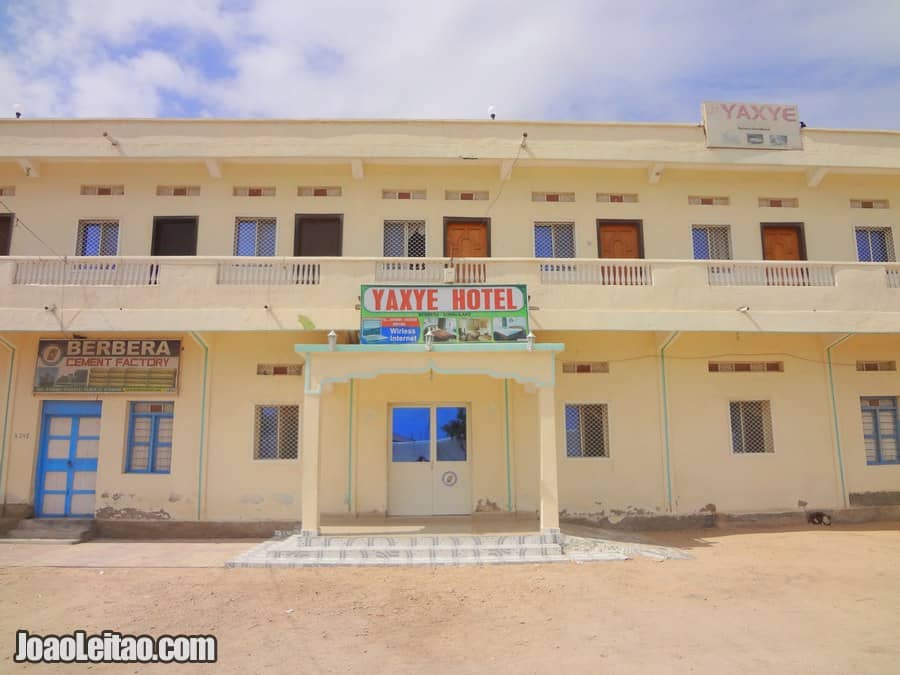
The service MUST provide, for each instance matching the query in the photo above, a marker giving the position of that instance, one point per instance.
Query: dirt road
(824, 600)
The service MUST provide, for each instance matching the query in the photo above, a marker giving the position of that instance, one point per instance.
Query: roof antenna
(492, 111)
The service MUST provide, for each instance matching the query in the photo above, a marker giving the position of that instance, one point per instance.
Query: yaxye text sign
(761, 126)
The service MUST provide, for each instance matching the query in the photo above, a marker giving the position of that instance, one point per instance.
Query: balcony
(233, 294)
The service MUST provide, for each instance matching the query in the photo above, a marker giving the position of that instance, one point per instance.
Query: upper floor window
(98, 237)
(874, 244)
(617, 198)
(254, 236)
(319, 191)
(711, 242)
(879, 420)
(403, 194)
(177, 190)
(870, 204)
(253, 191)
(554, 240)
(466, 195)
(696, 200)
(553, 196)
(779, 202)
(103, 190)
(404, 239)
(7, 190)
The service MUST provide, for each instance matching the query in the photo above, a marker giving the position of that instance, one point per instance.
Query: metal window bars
(277, 431)
(751, 427)
(587, 430)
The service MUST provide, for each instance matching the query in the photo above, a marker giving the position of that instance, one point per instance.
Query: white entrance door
(429, 472)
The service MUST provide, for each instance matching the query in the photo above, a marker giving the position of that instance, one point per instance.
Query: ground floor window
(587, 430)
(879, 418)
(150, 437)
(751, 427)
(277, 432)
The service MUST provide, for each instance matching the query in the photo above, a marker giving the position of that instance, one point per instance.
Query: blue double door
(67, 464)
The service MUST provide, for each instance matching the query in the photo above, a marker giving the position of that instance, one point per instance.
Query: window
(587, 430)
(7, 190)
(620, 198)
(276, 432)
(879, 420)
(98, 237)
(779, 203)
(875, 366)
(466, 195)
(6, 228)
(149, 437)
(696, 200)
(711, 242)
(103, 190)
(746, 366)
(253, 191)
(319, 191)
(554, 240)
(404, 239)
(870, 204)
(254, 236)
(751, 427)
(403, 194)
(279, 369)
(874, 244)
(585, 367)
(177, 190)
(553, 196)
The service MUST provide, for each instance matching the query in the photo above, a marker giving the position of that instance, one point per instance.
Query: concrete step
(468, 553)
(376, 562)
(420, 541)
(52, 529)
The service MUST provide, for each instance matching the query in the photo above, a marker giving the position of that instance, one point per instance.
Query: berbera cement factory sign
(107, 365)
(406, 314)
(758, 126)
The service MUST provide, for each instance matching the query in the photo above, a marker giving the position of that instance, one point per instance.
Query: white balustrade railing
(409, 269)
(94, 271)
(893, 277)
(730, 273)
(262, 272)
(598, 272)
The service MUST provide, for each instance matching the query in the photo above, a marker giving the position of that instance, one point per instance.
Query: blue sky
(562, 60)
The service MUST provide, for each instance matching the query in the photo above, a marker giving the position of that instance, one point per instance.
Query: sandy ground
(824, 600)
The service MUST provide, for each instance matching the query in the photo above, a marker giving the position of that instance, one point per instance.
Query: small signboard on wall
(756, 126)
(107, 365)
(453, 314)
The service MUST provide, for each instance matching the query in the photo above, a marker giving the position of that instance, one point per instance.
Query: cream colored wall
(487, 459)
(850, 386)
(801, 471)
(51, 205)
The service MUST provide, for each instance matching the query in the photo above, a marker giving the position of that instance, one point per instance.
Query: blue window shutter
(701, 243)
(863, 246)
(543, 241)
(90, 239)
(565, 241)
(111, 246)
(266, 239)
(573, 431)
(245, 243)
(878, 245)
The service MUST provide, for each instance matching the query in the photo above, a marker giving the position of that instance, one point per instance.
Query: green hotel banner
(453, 314)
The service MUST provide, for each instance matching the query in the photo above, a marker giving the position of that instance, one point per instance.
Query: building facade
(189, 326)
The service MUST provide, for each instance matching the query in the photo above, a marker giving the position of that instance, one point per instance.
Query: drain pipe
(205, 348)
(834, 416)
(350, 453)
(5, 433)
(509, 499)
(665, 416)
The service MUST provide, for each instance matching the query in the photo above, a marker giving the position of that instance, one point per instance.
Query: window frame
(768, 438)
(581, 432)
(153, 443)
(887, 231)
(255, 437)
(554, 226)
(105, 224)
(257, 221)
(878, 436)
(707, 227)
(406, 222)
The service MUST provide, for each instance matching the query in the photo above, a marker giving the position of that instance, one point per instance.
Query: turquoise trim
(834, 415)
(350, 453)
(665, 412)
(6, 430)
(205, 348)
(509, 503)
(474, 347)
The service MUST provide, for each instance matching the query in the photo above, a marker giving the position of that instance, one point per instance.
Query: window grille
(404, 239)
(403, 194)
(279, 369)
(870, 204)
(150, 437)
(254, 236)
(874, 244)
(466, 195)
(779, 203)
(697, 200)
(711, 242)
(746, 366)
(751, 427)
(553, 196)
(277, 432)
(587, 430)
(583, 367)
(617, 198)
(7, 190)
(177, 190)
(874, 366)
(98, 237)
(554, 240)
(880, 433)
(253, 191)
(319, 191)
(103, 190)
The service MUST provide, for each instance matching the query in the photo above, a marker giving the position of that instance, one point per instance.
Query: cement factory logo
(449, 478)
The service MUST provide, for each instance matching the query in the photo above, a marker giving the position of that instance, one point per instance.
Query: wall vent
(253, 191)
(698, 200)
(7, 190)
(466, 195)
(617, 198)
(585, 367)
(779, 202)
(746, 366)
(553, 196)
(319, 191)
(403, 194)
(870, 204)
(279, 368)
(103, 190)
(872, 366)
(177, 190)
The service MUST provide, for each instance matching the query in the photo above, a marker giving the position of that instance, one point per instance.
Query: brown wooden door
(174, 236)
(619, 240)
(6, 227)
(466, 239)
(318, 236)
(782, 243)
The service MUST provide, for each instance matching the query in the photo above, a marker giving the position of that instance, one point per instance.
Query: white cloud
(579, 59)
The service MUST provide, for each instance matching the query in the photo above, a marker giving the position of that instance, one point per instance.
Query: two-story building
(236, 321)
